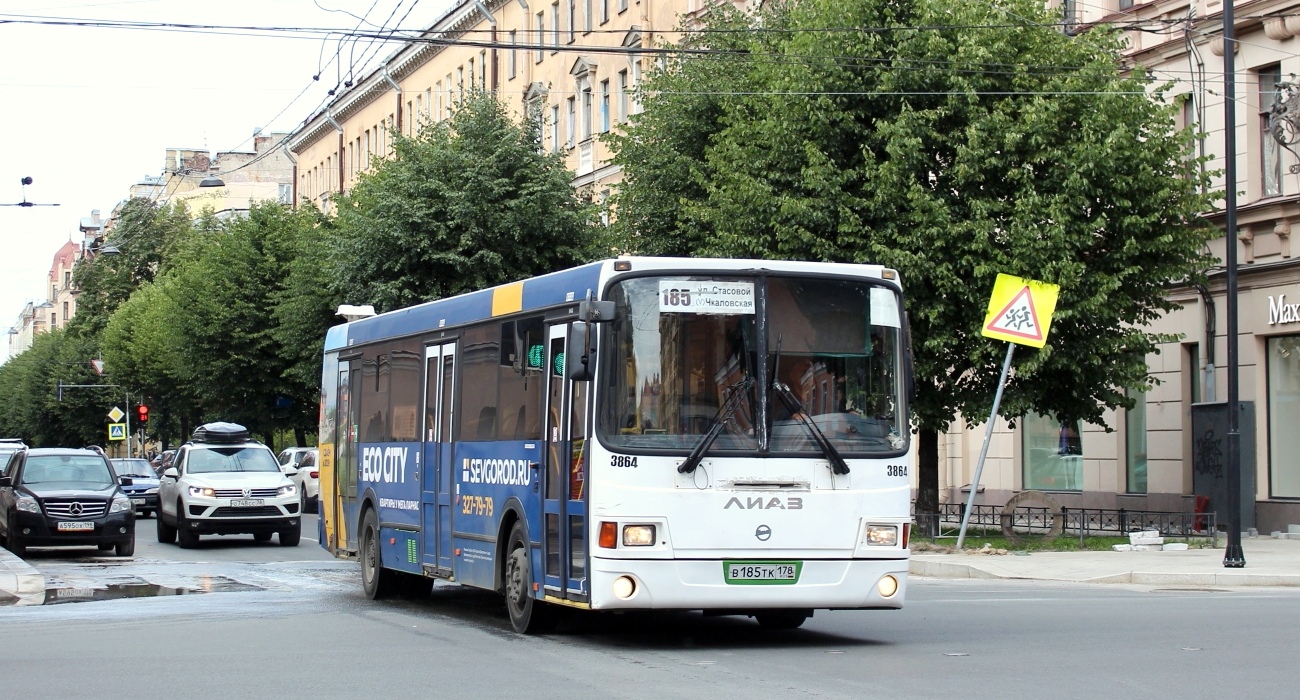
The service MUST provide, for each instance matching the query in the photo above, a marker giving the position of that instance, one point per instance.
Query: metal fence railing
(1084, 522)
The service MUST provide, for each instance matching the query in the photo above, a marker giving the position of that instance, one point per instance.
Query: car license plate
(138, 501)
(771, 573)
(246, 502)
(75, 527)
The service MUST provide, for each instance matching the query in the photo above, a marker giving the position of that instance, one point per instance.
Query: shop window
(1135, 444)
(1053, 454)
(1283, 407)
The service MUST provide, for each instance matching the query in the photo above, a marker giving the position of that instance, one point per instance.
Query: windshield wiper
(728, 408)
(792, 404)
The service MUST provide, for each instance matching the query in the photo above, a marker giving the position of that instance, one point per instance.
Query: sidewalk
(20, 584)
(1269, 562)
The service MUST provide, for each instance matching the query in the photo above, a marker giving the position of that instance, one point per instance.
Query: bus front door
(564, 512)
(435, 481)
(345, 457)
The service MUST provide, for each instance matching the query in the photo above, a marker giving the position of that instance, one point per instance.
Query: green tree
(146, 237)
(951, 141)
(30, 406)
(466, 204)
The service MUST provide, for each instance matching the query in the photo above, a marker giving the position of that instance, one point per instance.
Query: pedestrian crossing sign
(1020, 311)
(117, 431)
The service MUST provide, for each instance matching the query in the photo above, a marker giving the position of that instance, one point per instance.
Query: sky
(88, 111)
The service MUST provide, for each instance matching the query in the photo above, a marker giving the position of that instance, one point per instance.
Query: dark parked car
(143, 491)
(52, 497)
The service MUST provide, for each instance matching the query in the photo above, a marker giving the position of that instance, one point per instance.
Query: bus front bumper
(702, 584)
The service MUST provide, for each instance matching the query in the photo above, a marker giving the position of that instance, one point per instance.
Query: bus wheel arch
(377, 581)
(513, 513)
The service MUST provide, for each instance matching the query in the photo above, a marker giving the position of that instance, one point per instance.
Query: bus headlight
(638, 535)
(882, 535)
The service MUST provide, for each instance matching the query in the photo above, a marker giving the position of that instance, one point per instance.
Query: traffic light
(142, 413)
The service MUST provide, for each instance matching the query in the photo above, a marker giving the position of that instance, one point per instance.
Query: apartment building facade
(571, 65)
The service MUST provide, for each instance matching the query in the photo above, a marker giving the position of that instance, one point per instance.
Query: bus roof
(549, 290)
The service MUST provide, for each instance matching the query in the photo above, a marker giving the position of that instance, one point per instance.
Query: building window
(586, 110)
(622, 95)
(586, 15)
(512, 64)
(1194, 380)
(1135, 444)
(482, 69)
(471, 78)
(1283, 367)
(570, 122)
(1271, 155)
(54, 320)
(65, 312)
(635, 68)
(604, 11)
(541, 35)
(555, 128)
(555, 25)
(604, 106)
(622, 6)
(67, 279)
(1125, 4)
(573, 20)
(1053, 454)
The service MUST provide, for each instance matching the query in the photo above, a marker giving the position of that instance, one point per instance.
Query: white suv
(223, 483)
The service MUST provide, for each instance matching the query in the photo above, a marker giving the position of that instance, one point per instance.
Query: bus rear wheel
(377, 581)
(527, 614)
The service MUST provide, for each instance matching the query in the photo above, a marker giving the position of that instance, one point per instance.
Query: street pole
(128, 425)
(984, 450)
(1233, 557)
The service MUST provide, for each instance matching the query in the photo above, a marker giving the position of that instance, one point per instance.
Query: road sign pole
(988, 435)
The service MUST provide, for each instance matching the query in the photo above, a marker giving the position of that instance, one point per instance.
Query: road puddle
(141, 589)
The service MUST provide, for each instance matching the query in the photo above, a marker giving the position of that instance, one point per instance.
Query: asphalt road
(289, 623)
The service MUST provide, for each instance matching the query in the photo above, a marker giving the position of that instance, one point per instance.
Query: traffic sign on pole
(116, 431)
(1020, 310)
(116, 414)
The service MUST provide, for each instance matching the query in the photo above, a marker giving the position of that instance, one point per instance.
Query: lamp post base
(1233, 557)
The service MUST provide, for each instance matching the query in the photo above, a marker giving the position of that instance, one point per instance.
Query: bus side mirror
(596, 311)
(581, 352)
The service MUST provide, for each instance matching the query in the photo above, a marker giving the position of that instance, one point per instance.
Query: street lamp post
(1232, 556)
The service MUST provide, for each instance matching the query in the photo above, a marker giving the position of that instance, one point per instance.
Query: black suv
(53, 497)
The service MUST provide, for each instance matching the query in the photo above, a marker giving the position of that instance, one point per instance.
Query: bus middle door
(435, 481)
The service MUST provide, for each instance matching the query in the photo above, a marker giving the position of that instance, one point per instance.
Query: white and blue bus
(721, 435)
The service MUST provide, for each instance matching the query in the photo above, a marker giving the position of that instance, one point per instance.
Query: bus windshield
(681, 344)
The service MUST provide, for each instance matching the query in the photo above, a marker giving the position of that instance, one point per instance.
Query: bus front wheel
(377, 581)
(527, 614)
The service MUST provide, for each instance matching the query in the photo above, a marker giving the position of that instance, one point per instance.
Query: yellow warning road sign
(1020, 310)
(117, 431)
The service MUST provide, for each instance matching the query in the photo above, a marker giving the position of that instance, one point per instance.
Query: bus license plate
(75, 527)
(246, 502)
(772, 573)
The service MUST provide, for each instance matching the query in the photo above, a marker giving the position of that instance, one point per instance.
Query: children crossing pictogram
(1020, 311)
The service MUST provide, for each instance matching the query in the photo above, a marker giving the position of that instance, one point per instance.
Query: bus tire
(782, 619)
(377, 581)
(527, 614)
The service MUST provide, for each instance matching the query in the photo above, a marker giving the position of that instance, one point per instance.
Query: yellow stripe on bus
(508, 299)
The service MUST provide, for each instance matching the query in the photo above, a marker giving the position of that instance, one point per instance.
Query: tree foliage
(466, 204)
(986, 141)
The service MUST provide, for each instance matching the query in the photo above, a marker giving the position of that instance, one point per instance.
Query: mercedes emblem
(75, 508)
(763, 533)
